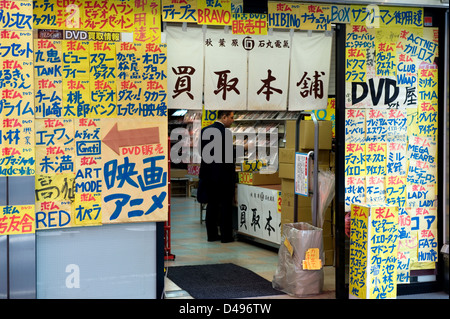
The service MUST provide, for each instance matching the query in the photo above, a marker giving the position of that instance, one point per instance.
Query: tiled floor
(190, 247)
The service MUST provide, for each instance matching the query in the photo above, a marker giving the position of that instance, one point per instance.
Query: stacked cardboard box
(286, 173)
(255, 179)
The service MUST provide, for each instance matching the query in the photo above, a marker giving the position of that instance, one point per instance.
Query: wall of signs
(84, 112)
(391, 127)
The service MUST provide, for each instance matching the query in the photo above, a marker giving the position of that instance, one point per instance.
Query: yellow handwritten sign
(249, 23)
(312, 260)
(179, 11)
(358, 250)
(375, 159)
(315, 17)
(216, 12)
(147, 21)
(87, 209)
(285, 15)
(17, 219)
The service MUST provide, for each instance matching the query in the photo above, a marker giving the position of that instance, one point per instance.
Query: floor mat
(220, 281)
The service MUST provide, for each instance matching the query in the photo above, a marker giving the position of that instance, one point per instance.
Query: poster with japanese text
(17, 219)
(48, 75)
(129, 79)
(306, 16)
(283, 15)
(185, 67)
(16, 15)
(249, 23)
(373, 251)
(142, 18)
(315, 17)
(17, 156)
(359, 258)
(216, 12)
(382, 244)
(175, 11)
(146, 21)
(309, 74)
(102, 79)
(88, 178)
(134, 178)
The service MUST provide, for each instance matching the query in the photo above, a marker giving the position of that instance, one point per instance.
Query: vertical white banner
(268, 66)
(184, 67)
(225, 71)
(309, 71)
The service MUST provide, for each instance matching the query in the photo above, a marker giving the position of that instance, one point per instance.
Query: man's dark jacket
(217, 179)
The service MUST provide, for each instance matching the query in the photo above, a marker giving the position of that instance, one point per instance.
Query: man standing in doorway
(217, 177)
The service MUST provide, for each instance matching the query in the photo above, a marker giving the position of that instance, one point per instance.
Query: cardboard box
(303, 214)
(332, 159)
(259, 179)
(287, 194)
(286, 155)
(329, 257)
(286, 170)
(328, 242)
(178, 173)
(306, 134)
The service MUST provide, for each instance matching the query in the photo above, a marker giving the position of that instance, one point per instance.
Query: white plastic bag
(326, 194)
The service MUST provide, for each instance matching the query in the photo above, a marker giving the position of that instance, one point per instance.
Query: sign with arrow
(115, 139)
(135, 174)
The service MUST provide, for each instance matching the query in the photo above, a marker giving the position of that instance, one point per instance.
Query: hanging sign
(301, 175)
(179, 11)
(216, 12)
(185, 68)
(249, 23)
(225, 70)
(309, 75)
(268, 71)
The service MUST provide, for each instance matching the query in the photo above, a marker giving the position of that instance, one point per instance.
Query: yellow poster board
(17, 219)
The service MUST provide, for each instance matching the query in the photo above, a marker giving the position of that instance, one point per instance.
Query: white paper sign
(258, 214)
(301, 177)
(185, 68)
(225, 71)
(309, 71)
(268, 71)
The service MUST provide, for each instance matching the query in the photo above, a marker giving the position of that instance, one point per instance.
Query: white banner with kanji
(309, 71)
(225, 70)
(268, 71)
(259, 212)
(184, 67)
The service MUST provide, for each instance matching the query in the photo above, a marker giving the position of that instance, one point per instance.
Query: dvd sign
(75, 35)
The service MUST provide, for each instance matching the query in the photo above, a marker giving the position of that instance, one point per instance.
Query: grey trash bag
(290, 277)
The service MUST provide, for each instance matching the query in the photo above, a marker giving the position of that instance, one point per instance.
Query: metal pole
(316, 165)
(315, 197)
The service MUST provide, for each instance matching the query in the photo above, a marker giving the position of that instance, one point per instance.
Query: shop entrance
(190, 246)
